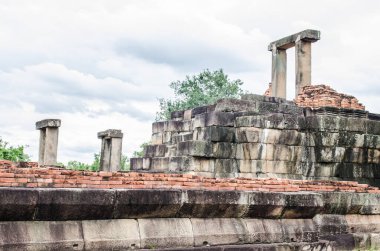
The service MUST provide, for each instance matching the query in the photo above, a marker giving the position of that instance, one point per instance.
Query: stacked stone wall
(259, 136)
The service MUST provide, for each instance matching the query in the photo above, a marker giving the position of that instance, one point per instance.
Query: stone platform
(259, 136)
(54, 209)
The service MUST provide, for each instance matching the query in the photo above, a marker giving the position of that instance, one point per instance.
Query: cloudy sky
(103, 64)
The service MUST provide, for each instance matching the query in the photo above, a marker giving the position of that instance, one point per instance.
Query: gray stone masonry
(259, 136)
(48, 141)
(302, 43)
(175, 219)
(110, 154)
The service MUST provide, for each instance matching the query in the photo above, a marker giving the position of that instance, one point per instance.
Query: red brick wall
(315, 96)
(12, 175)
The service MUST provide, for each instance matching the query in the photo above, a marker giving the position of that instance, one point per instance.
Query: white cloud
(102, 64)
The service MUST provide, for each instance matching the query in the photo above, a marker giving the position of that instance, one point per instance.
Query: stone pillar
(303, 64)
(48, 141)
(278, 72)
(110, 154)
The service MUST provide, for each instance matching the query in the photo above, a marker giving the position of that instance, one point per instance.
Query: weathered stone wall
(260, 136)
(121, 219)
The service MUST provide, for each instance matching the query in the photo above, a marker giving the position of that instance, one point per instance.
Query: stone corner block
(110, 133)
(48, 123)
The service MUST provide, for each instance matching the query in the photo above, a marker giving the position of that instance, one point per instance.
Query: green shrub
(12, 153)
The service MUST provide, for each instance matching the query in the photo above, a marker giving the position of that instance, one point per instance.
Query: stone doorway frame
(302, 43)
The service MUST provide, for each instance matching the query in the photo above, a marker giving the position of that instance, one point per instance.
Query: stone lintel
(110, 133)
(48, 123)
(289, 41)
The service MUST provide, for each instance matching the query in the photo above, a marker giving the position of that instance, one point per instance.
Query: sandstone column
(278, 73)
(110, 155)
(303, 64)
(48, 141)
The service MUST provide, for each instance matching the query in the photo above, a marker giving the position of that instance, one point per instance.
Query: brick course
(13, 175)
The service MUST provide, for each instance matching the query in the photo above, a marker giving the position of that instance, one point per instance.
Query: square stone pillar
(303, 64)
(110, 154)
(278, 72)
(48, 141)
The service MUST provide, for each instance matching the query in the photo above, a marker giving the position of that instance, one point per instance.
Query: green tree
(12, 153)
(140, 152)
(77, 165)
(202, 89)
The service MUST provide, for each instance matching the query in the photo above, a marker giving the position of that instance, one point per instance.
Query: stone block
(302, 205)
(266, 205)
(195, 148)
(274, 230)
(147, 203)
(291, 122)
(215, 134)
(226, 166)
(159, 163)
(202, 109)
(177, 115)
(173, 126)
(329, 154)
(214, 119)
(41, 235)
(290, 108)
(165, 233)
(187, 114)
(234, 105)
(363, 223)
(251, 166)
(75, 204)
(111, 234)
(17, 203)
(251, 151)
(248, 134)
(158, 127)
(371, 203)
(256, 232)
(151, 151)
(276, 167)
(218, 231)
(331, 225)
(322, 123)
(181, 164)
(157, 138)
(136, 163)
(267, 107)
(326, 169)
(353, 124)
(48, 123)
(204, 165)
(213, 204)
(299, 230)
(372, 141)
(180, 137)
(223, 150)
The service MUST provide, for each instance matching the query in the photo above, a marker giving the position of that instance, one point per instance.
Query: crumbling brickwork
(32, 176)
(317, 96)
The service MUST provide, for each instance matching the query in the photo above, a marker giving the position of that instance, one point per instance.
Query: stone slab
(48, 123)
(218, 231)
(17, 203)
(165, 233)
(137, 203)
(111, 234)
(75, 204)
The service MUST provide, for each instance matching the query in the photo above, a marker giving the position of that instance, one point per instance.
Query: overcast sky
(102, 64)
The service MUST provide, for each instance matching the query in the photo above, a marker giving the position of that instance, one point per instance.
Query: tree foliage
(202, 89)
(94, 166)
(12, 153)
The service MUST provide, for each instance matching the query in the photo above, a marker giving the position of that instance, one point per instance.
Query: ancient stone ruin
(256, 173)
